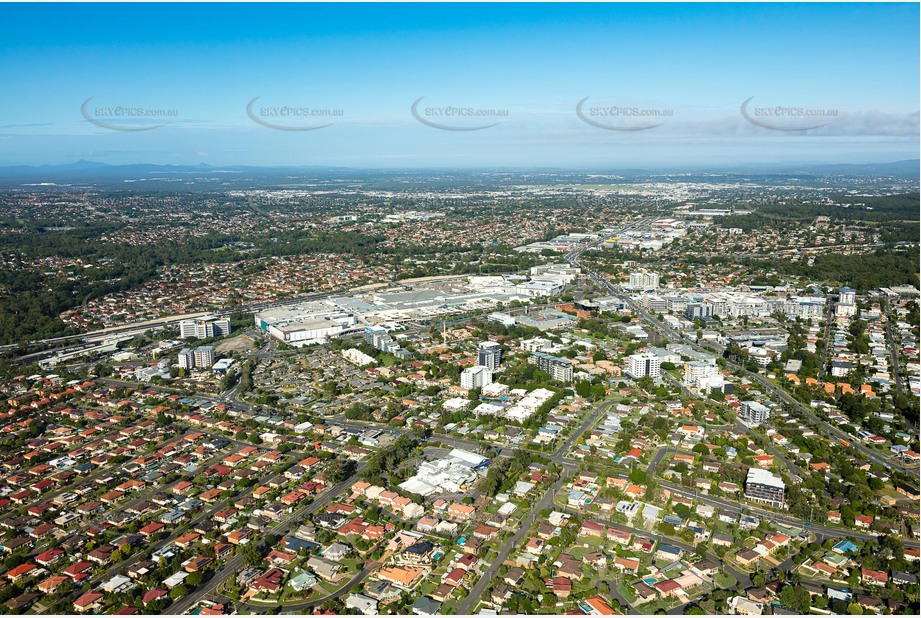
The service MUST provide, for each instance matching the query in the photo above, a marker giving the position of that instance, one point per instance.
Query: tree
(796, 598)
(194, 579)
(638, 476)
(252, 555)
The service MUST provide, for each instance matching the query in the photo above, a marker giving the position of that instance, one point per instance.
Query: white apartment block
(537, 344)
(644, 364)
(356, 356)
(475, 377)
(754, 413)
(644, 281)
(204, 356)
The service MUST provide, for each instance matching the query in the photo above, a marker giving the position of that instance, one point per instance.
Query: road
(795, 471)
(469, 603)
(235, 563)
(140, 327)
(829, 318)
(778, 393)
(624, 604)
(893, 350)
(739, 507)
(298, 608)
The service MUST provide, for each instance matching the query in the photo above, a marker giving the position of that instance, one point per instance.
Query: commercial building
(489, 355)
(309, 322)
(644, 364)
(502, 318)
(698, 311)
(475, 377)
(204, 328)
(754, 413)
(763, 486)
(559, 368)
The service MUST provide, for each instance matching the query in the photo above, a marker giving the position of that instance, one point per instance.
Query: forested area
(903, 207)
(882, 268)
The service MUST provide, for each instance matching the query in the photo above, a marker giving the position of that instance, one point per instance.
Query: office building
(642, 365)
(698, 311)
(559, 368)
(204, 328)
(763, 486)
(754, 413)
(489, 355)
(475, 377)
(502, 318)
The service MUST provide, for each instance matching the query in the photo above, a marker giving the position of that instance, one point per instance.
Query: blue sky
(687, 68)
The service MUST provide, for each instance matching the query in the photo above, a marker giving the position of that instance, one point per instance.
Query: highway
(135, 328)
